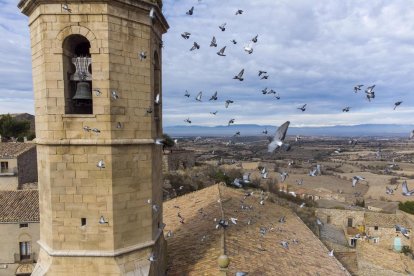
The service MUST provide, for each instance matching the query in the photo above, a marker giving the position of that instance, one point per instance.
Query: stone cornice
(94, 142)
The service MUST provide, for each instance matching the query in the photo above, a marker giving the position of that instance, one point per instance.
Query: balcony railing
(24, 258)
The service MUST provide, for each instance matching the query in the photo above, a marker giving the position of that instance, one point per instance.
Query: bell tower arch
(100, 176)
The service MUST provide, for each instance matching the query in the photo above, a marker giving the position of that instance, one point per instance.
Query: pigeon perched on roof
(279, 138)
(303, 108)
(223, 27)
(285, 244)
(389, 191)
(227, 103)
(239, 76)
(237, 183)
(246, 178)
(356, 179)
(239, 12)
(233, 220)
(157, 99)
(195, 46)
(152, 14)
(402, 230)
(213, 42)
(198, 98)
(357, 87)
(96, 131)
(186, 35)
(405, 190)
(190, 11)
(397, 104)
(302, 205)
(152, 257)
(221, 52)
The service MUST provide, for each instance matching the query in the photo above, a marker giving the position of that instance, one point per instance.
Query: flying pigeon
(389, 191)
(169, 234)
(97, 92)
(402, 230)
(187, 120)
(214, 113)
(239, 76)
(356, 179)
(187, 94)
(264, 91)
(262, 72)
(264, 131)
(222, 27)
(370, 92)
(233, 220)
(151, 14)
(278, 139)
(277, 97)
(190, 11)
(157, 99)
(265, 77)
(248, 49)
(119, 125)
(221, 52)
(239, 12)
(96, 131)
(405, 190)
(346, 109)
(214, 97)
(101, 164)
(303, 108)
(198, 98)
(357, 87)
(302, 205)
(149, 110)
(331, 253)
(227, 103)
(297, 138)
(272, 92)
(213, 42)
(65, 7)
(313, 173)
(231, 121)
(195, 46)
(254, 39)
(87, 128)
(233, 41)
(186, 35)
(397, 104)
(152, 258)
(114, 95)
(142, 55)
(299, 182)
(285, 244)
(237, 134)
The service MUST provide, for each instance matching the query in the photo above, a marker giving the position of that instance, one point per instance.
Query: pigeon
(187, 94)
(356, 179)
(97, 92)
(187, 120)
(233, 41)
(119, 125)
(237, 183)
(142, 55)
(346, 109)
(319, 222)
(159, 141)
(402, 230)
(370, 92)
(231, 121)
(262, 230)
(254, 39)
(265, 77)
(262, 72)
(397, 104)
(357, 87)
(87, 128)
(227, 103)
(223, 223)
(297, 138)
(278, 139)
(101, 164)
(186, 35)
(331, 253)
(246, 178)
(155, 208)
(214, 97)
(389, 191)
(195, 46)
(223, 27)
(248, 49)
(302, 205)
(277, 97)
(272, 92)
(149, 110)
(264, 175)
(198, 98)
(190, 11)
(237, 134)
(285, 244)
(264, 91)
(114, 95)
(299, 182)
(313, 173)
(66, 8)
(239, 76)
(157, 99)
(405, 190)
(152, 258)
(233, 220)
(282, 219)
(239, 12)
(370, 89)
(241, 273)
(169, 234)
(221, 52)
(214, 113)
(152, 14)
(303, 108)
(264, 131)
(283, 176)
(96, 131)
(213, 42)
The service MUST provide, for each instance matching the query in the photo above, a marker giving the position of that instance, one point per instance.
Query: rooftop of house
(19, 206)
(384, 220)
(13, 150)
(196, 244)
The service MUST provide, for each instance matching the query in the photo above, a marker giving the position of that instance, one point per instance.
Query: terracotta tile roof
(248, 250)
(19, 206)
(384, 220)
(11, 150)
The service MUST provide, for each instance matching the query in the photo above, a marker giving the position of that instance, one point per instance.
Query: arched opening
(157, 95)
(77, 75)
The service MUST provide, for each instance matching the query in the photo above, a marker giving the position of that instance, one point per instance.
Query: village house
(18, 165)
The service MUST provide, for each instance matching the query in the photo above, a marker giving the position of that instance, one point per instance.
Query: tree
(168, 141)
(10, 127)
(407, 207)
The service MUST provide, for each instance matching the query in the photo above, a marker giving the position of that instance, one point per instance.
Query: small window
(350, 222)
(25, 250)
(23, 225)
(83, 221)
(328, 219)
(4, 166)
(375, 227)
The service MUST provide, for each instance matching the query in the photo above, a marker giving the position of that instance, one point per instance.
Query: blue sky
(314, 51)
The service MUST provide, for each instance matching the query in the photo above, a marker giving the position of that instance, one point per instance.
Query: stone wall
(27, 166)
(9, 182)
(340, 217)
(366, 268)
(386, 236)
(177, 160)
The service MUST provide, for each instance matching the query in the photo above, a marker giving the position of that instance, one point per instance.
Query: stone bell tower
(96, 76)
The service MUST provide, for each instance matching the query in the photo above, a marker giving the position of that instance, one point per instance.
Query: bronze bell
(83, 91)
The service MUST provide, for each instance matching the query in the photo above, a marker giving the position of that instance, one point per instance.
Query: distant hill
(381, 130)
(24, 117)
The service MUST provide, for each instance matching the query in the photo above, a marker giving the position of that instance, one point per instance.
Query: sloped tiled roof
(10, 150)
(191, 254)
(19, 206)
(384, 220)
